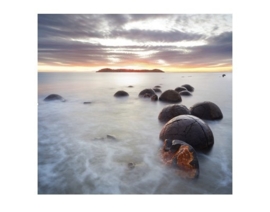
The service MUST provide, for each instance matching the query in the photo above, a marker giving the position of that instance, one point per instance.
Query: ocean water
(76, 157)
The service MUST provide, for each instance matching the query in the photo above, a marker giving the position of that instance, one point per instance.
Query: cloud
(103, 40)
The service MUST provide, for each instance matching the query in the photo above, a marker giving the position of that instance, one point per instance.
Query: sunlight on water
(76, 155)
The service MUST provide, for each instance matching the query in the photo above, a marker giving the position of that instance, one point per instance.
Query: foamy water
(76, 157)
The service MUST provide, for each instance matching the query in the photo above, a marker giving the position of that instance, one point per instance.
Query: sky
(170, 42)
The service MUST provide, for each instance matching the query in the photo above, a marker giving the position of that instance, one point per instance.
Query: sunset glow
(172, 43)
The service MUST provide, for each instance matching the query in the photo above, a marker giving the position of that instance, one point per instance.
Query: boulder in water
(157, 90)
(147, 93)
(206, 110)
(171, 111)
(178, 89)
(154, 98)
(170, 96)
(121, 94)
(182, 156)
(188, 87)
(185, 93)
(53, 97)
(189, 129)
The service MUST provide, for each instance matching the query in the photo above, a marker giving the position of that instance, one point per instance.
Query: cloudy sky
(78, 42)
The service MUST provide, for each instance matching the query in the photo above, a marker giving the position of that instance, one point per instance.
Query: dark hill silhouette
(130, 70)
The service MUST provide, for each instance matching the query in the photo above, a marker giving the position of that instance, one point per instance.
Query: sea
(86, 148)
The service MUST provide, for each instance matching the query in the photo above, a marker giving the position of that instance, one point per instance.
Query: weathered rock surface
(121, 94)
(185, 93)
(206, 110)
(147, 93)
(171, 111)
(178, 89)
(190, 129)
(182, 156)
(53, 97)
(170, 96)
(188, 87)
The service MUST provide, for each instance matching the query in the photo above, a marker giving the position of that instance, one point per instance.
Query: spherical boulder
(53, 97)
(178, 89)
(206, 110)
(171, 111)
(121, 94)
(147, 92)
(185, 93)
(189, 129)
(182, 156)
(170, 96)
(188, 87)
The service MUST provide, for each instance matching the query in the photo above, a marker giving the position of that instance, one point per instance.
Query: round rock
(182, 156)
(121, 94)
(147, 92)
(170, 96)
(154, 98)
(185, 93)
(53, 97)
(178, 89)
(206, 110)
(188, 87)
(171, 111)
(190, 129)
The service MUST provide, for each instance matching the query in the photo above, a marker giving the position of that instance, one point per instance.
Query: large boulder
(190, 129)
(170, 96)
(188, 87)
(171, 111)
(121, 94)
(147, 93)
(206, 110)
(182, 156)
(53, 97)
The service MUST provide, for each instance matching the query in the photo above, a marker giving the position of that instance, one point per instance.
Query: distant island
(130, 70)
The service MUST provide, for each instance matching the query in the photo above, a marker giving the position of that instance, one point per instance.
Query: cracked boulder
(53, 97)
(182, 157)
(190, 129)
(121, 94)
(188, 87)
(171, 111)
(170, 96)
(147, 93)
(206, 110)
